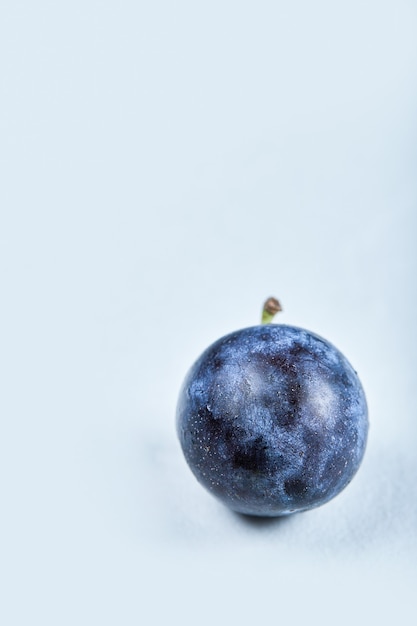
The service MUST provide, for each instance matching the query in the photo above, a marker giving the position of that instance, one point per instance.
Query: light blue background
(165, 166)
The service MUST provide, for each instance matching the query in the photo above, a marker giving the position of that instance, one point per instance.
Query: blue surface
(164, 167)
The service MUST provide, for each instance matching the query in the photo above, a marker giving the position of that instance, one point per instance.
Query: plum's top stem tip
(270, 309)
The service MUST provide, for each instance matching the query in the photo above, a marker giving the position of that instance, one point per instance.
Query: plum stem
(270, 309)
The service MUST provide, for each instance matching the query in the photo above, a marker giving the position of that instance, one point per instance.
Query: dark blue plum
(272, 420)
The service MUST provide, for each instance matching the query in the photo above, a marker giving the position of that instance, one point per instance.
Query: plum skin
(272, 420)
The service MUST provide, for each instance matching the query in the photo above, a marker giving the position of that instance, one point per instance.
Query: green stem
(271, 308)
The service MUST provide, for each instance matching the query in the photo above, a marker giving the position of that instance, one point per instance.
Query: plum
(272, 420)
